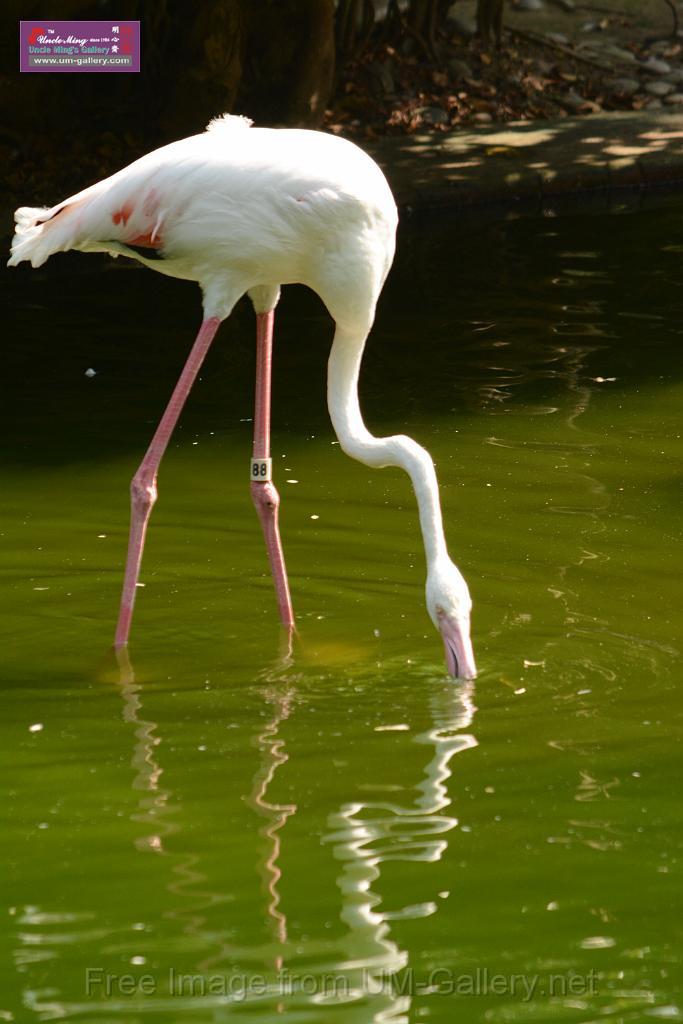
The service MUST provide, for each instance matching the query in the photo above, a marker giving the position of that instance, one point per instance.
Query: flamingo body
(246, 210)
(236, 208)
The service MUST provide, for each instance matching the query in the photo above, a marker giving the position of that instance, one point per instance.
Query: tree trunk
(423, 19)
(311, 88)
(205, 79)
(490, 21)
(291, 61)
(354, 22)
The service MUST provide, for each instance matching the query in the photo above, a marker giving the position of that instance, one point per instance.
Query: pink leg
(263, 493)
(143, 488)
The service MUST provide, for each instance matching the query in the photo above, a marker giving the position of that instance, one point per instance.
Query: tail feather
(27, 216)
(42, 231)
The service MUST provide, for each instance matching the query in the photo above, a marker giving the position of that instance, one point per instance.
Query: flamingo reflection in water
(366, 962)
(357, 975)
(271, 748)
(365, 835)
(362, 836)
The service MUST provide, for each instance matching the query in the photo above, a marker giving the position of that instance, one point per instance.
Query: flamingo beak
(457, 647)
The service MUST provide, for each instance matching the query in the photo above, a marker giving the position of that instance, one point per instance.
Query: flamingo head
(449, 606)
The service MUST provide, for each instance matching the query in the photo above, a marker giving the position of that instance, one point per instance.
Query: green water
(340, 834)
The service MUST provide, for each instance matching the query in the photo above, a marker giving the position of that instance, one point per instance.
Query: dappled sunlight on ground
(520, 162)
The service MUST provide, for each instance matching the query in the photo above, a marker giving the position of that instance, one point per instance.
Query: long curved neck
(399, 450)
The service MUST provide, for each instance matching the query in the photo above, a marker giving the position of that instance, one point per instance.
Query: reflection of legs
(143, 488)
(263, 493)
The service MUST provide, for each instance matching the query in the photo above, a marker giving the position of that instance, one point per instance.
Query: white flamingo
(246, 210)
